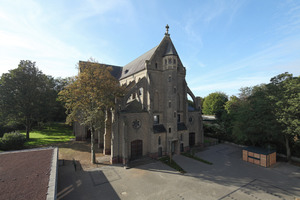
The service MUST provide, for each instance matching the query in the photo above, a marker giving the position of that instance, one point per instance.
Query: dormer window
(156, 119)
(126, 71)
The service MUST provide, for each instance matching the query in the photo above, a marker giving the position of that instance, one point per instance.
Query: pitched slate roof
(115, 72)
(133, 107)
(159, 128)
(181, 126)
(171, 50)
(138, 64)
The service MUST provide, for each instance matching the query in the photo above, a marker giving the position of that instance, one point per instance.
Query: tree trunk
(27, 132)
(92, 147)
(288, 150)
(99, 139)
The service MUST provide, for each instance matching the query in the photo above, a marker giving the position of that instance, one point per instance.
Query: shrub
(12, 141)
(296, 149)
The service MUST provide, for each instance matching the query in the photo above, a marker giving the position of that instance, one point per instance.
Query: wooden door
(136, 149)
(192, 139)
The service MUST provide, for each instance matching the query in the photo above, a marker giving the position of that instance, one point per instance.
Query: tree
(58, 110)
(89, 96)
(214, 103)
(24, 93)
(285, 97)
(254, 121)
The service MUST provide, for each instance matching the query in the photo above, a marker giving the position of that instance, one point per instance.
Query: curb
(52, 186)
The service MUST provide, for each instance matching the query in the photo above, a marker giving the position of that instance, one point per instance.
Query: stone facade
(153, 119)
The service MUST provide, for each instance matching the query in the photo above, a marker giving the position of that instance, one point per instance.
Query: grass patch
(206, 141)
(55, 133)
(196, 158)
(173, 164)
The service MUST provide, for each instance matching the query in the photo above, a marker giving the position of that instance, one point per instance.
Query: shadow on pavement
(75, 183)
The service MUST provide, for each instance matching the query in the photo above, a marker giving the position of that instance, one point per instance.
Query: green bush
(12, 141)
(296, 149)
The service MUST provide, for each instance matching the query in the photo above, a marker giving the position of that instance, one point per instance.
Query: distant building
(153, 119)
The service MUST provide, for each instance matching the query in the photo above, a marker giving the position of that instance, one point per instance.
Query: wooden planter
(259, 156)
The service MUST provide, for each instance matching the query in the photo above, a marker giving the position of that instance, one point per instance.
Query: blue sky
(225, 45)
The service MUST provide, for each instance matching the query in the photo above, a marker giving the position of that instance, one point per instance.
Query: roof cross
(167, 30)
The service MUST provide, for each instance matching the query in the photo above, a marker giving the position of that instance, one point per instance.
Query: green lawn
(55, 133)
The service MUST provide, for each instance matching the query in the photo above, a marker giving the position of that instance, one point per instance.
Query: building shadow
(75, 183)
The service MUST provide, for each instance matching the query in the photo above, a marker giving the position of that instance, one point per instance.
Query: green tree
(24, 95)
(285, 97)
(89, 96)
(58, 110)
(253, 119)
(214, 103)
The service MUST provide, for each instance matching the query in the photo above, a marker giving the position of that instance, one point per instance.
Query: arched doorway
(136, 149)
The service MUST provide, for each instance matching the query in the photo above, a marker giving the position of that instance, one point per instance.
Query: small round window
(136, 124)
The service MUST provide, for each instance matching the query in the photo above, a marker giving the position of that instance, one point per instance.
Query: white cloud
(30, 31)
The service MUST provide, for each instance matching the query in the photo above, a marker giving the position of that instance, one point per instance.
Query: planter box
(259, 156)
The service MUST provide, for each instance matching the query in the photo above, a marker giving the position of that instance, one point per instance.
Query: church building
(153, 118)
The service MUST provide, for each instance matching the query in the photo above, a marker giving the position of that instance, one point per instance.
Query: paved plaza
(228, 178)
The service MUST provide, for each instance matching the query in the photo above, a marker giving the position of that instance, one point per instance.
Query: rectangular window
(169, 130)
(156, 119)
(178, 118)
(170, 104)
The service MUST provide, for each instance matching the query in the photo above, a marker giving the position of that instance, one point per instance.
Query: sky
(224, 44)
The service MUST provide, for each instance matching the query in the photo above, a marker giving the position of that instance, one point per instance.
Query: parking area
(228, 178)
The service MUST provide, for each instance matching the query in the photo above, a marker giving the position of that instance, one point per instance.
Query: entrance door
(136, 149)
(181, 147)
(192, 139)
(173, 147)
(159, 152)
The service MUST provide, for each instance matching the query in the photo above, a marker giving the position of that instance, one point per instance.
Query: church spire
(167, 30)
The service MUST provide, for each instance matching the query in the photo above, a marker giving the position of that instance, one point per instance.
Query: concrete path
(228, 178)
